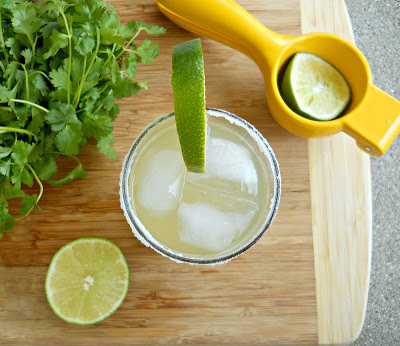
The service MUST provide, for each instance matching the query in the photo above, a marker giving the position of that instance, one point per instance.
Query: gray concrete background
(376, 26)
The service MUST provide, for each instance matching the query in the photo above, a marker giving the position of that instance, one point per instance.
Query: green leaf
(45, 167)
(6, 221)
(29, 202)
(147, 52)
(85, 45)
(90, 98)
(110, 35)
(97, 126)
(37, 121)
(11, 70)
(4, 152)
(25, 20)
(27, 54)
(40, 84)
(49, 28)
(59, 95)
(7, 191)
(109, 20)
(15, 47)
(59, 78)
(55, 5)
(105, 145)
(127, 31)
(6, 4)
(152, 29)
(77, 173)
(59, 41)
(37, 36)
(5, 168)
(108, 102)
(5, 94)
(20, 152)
(125, 87)
(21, 175)
(61, 115)
(67, 140)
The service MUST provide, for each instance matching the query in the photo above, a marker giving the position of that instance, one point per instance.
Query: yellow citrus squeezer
(373, 117)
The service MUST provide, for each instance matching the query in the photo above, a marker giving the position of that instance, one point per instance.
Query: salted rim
(145, 237)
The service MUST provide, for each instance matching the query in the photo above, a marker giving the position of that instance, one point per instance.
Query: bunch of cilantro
(62, 65)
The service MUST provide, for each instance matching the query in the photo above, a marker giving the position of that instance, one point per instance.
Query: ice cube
(206, 227)
(161, 188)
(229, 165)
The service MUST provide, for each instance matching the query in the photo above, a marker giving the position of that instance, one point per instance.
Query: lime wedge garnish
(189, 102)
(314, 88)
(87, 280)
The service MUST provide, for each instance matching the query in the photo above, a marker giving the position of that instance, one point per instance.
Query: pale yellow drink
(202, 217)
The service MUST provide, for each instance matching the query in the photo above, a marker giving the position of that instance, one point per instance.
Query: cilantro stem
(26, 102)
(2, 41)
(5, 129)
(78, 93)
(27, 87)
(40, 192)
(127, 45)
(2, 67)
(110, 55)
(33, 51)
(104, 88)
(43, 74)
(69, 57)
(80, 82)
(101, 105)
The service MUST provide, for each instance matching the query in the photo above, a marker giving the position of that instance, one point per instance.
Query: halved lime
(189, 102)
(314, 88)
(87, 280)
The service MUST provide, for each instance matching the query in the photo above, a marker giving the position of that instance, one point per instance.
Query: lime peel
(188, 84)
(314, 88)
(87, 280)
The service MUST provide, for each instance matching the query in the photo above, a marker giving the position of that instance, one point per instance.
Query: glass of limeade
(201, 218)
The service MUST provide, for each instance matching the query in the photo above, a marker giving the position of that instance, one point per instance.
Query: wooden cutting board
(306, 281)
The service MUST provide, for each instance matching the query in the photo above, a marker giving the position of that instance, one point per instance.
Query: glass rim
(134, 220)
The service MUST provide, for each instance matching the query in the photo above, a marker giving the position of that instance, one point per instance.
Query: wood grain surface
(342, 208)
(265, 296)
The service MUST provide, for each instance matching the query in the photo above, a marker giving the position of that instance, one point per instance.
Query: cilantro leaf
(59, 41)
(25, 20)
(20, 152)
(15, 47)
(152, 29)
(5, 94)
(85, 45)
(4, 152)
(97, 126)
(77, 173)
(59, 78)
(111, 35)
(40, 84)
(61, 115)
(64, 64)
(6, 221)
(27, 54)
(46, 167)
(67, 140)
(5, 167)
(30, 202)
(21, 175)
(105, 145)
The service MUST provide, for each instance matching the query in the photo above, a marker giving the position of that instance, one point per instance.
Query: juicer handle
(376, 123)
(228, 23)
